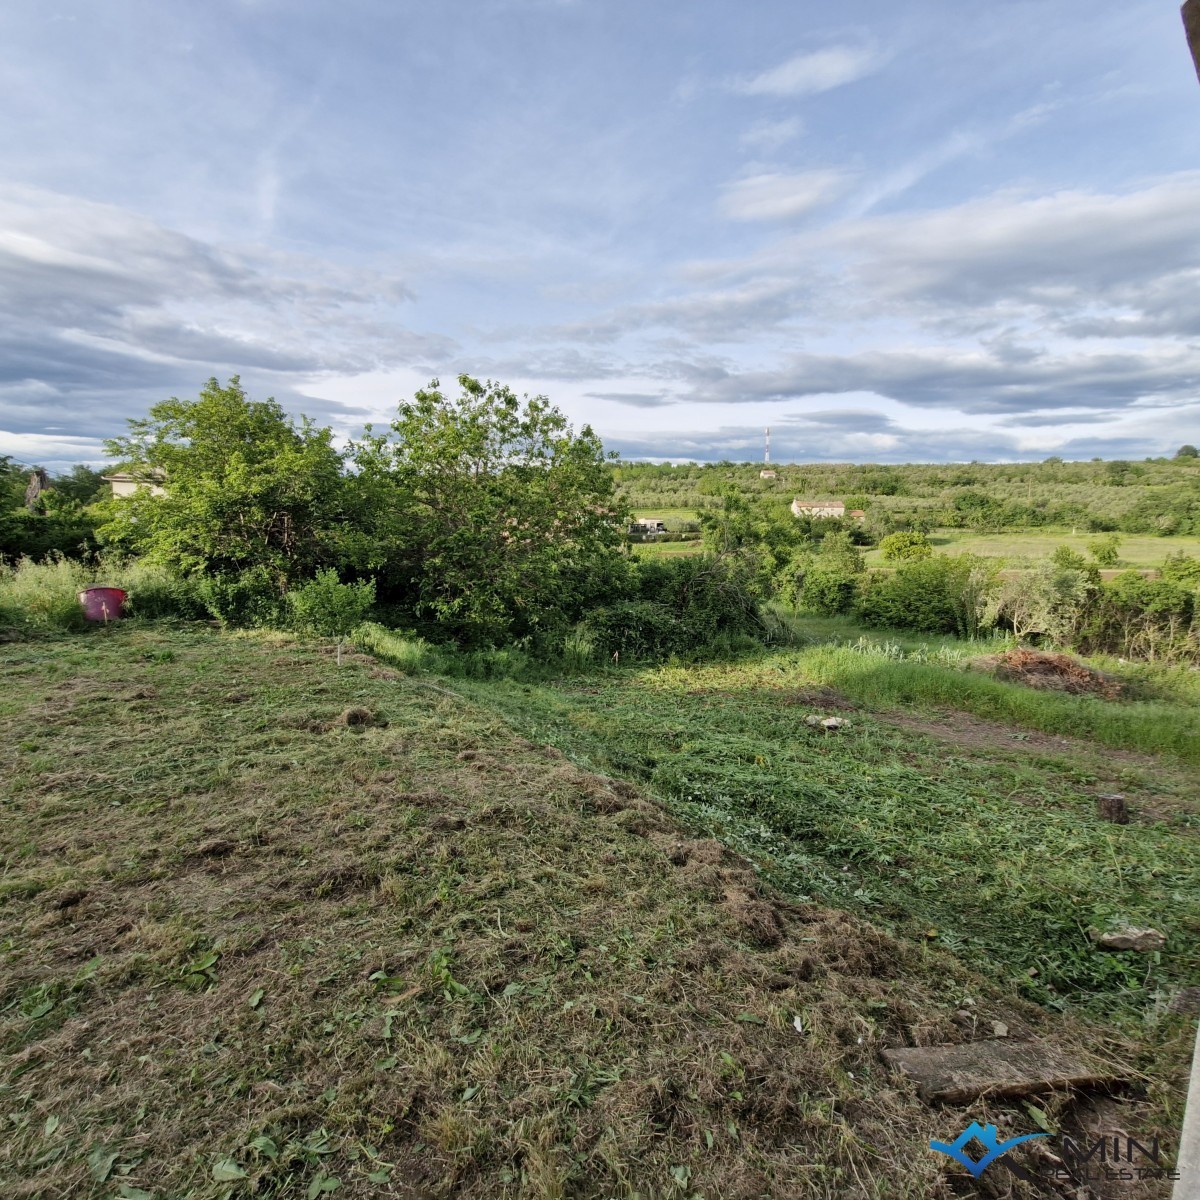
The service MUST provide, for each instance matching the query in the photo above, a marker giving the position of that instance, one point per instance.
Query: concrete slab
(960, 1074)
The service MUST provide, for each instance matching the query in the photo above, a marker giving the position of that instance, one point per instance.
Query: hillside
(273, 927)
(1158, 496)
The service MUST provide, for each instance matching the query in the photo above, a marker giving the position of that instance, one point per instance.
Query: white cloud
(774, 197)
(765, 136)
(818, 71)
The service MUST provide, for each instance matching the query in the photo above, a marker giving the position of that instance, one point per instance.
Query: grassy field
(922, 815)
(273, 927)
(1022, 549)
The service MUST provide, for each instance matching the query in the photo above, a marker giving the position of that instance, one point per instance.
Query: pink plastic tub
(102, 603)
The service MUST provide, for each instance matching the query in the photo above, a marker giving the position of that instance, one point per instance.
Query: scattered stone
(237, 697)
(1113, 808)
(1128, 938)
(999, 1029)
(960, 1074)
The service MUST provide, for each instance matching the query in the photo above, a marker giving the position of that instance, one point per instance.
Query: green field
(1023, 549)
(1018, 549)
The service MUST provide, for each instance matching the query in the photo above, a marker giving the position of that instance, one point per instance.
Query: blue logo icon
(987, 1136)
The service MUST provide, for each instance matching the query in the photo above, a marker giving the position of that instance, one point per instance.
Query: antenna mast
(767, 450)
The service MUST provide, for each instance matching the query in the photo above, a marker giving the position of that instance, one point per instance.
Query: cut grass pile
(270, 927)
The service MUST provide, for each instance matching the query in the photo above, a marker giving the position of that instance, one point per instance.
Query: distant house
(647, 527)
(825, 508)
(125, 484)
(818, 508)
(767, 474)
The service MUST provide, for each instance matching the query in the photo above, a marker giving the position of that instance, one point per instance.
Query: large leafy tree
(487, 513)
(246, 487)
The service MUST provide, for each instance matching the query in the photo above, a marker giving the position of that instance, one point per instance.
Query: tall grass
(878, 680)
(42, 597)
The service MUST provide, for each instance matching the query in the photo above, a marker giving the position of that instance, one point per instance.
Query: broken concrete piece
(1142, 940)
(960, 1074)
(828, 723)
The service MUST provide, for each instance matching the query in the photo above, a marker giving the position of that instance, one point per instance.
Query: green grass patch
(996, 849)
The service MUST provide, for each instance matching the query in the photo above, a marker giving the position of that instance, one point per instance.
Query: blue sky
(893, 232)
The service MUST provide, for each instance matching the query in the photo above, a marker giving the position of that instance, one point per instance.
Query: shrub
(828, 590)
(941, 594)
(905, 546)
(683, 606)
(327, 607)
(1106, 550)
(1145, 618)
(155, 591)
(247, 599)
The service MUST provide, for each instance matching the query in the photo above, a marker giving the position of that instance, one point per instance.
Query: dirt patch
(1049, 672)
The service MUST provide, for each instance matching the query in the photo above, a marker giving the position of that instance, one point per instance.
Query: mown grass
(273, 927)
(993, 850)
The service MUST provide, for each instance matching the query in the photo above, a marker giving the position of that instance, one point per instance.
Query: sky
(915, 232)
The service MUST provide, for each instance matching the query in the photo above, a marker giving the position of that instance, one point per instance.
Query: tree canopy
(247, 488)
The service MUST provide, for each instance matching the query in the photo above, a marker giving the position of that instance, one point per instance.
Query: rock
(999, 1029)
(1128, 938)
(960, 1074)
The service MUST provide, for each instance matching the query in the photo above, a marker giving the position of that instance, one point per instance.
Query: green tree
(247, 488)
(1051, 600)
(1187, 451)
(488, 514)
(1106, 550)
(82, 484)
(905, 546)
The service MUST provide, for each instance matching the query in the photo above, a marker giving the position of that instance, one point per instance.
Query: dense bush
(245, 600)
(1144, 618)
(682, 606)
(905, 546)
(329, 607)
(67, 530)
(942, 594)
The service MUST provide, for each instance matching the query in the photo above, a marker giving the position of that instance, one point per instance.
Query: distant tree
(1187, 451)
(247, 488)
(82, 483)
(905, 546)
